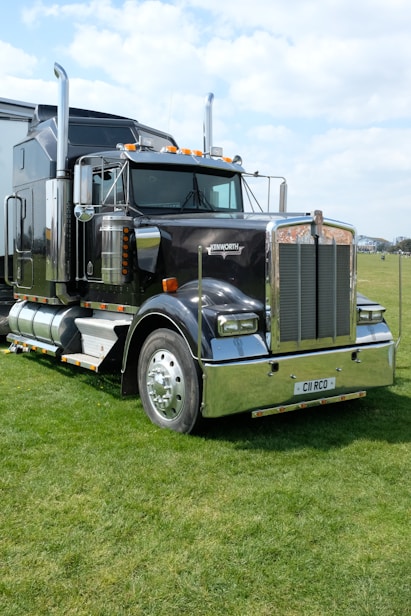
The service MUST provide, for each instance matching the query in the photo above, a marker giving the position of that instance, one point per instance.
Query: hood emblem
(223, 250)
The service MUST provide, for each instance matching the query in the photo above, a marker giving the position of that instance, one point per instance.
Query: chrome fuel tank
(51, 324)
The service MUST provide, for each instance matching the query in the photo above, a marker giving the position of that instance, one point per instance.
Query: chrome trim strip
(270, 306)
(148, 241)
(116, 308)
(373, 332)
(39, 299)
(238, 347)
(305, 405)
(58, 224)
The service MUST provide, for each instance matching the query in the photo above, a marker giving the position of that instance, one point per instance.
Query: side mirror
(83, 192)
(83, 185)
(84, 213)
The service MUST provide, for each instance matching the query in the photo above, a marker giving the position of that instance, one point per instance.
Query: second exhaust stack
(208, 125)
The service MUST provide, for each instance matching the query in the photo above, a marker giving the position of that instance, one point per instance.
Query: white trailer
(15, 117)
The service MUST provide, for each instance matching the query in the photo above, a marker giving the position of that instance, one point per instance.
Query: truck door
(23, 252)
(108, 197)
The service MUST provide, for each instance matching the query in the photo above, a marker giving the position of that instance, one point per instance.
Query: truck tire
(4, 325)
(168, 382)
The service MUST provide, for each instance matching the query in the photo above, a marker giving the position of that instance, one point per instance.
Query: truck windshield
(161, 190)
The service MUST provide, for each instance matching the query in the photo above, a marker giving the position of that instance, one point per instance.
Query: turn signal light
(125, 269)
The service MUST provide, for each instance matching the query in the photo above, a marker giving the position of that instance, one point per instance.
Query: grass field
(303, 514)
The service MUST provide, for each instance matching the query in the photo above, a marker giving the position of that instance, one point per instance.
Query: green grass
(301, 514)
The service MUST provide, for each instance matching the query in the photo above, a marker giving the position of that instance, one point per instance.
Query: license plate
(314, 386)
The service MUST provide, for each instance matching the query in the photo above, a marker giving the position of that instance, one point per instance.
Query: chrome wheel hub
(165, 384)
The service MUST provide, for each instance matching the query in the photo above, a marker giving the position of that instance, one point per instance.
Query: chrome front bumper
(270, 384)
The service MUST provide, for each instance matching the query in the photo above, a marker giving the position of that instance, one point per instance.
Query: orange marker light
(170, 285)
(170, 149)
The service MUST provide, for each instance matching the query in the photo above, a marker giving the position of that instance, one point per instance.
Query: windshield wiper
(201, 199)
(189, 196)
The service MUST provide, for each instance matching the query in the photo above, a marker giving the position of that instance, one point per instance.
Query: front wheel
(168, 382)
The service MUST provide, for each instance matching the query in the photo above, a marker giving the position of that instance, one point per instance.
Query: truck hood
(232, 248)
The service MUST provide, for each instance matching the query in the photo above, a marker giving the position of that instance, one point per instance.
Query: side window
(223, 197)
(220, 192)
(108, 188)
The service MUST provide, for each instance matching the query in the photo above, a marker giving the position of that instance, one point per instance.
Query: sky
(317, 91)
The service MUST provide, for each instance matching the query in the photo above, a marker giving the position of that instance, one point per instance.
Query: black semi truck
(132, 254)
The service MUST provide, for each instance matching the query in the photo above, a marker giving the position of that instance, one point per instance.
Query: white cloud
(350, 81)
(34, 16)
(15, 61)
(309, 92)
(339, 18)
(299, 63)
(361, 176)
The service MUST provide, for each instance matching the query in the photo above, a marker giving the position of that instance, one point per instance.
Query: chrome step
(98, 335)
(21, 344)
(83, 361)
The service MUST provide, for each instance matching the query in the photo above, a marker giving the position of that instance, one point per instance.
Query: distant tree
(383, 247)
(404, 245)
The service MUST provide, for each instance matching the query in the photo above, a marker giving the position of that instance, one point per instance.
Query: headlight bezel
(237, 324)
(367, 315)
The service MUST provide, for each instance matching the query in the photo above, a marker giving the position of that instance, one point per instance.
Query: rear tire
(168, 381)
(4, 325)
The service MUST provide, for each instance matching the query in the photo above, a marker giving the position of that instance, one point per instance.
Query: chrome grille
(312, 290)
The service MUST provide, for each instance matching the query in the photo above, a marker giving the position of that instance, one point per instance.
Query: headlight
(237, 324)
(371, 314)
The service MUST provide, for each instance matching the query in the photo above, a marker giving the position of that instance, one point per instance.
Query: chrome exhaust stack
(58, 198)
(62, 120)
(208, 125)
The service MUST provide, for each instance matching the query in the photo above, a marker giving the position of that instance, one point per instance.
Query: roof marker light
(131, 147)
(169, 149)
